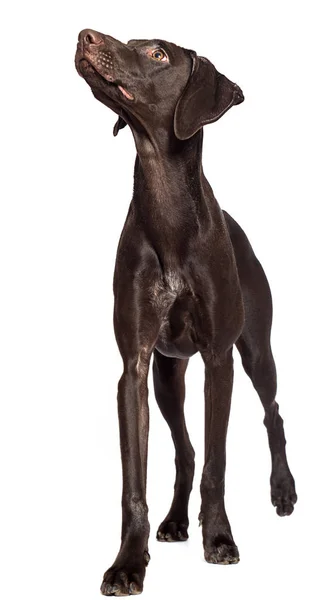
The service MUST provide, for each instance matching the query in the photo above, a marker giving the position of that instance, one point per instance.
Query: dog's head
(152, 84)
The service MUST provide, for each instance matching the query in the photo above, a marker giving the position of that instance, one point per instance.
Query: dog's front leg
(127, 573)
(218, 541)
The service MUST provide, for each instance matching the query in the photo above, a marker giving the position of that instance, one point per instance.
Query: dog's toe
(112, 590)
(284, 505)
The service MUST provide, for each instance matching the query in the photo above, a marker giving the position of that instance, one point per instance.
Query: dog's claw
(115, 590)
(134, 589)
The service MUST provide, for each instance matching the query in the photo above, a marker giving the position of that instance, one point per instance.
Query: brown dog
(186, 281)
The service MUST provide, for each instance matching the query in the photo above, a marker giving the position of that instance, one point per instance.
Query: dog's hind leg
(169, 388)
(255, 350)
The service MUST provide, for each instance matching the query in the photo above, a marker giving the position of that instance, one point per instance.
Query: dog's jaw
(88, 64)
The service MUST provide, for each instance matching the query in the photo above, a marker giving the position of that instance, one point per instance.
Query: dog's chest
(174, 301)
(165, 291)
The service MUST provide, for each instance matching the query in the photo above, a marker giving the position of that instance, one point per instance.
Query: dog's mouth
(88, 66)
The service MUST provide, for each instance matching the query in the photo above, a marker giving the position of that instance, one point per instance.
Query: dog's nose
(238, 94)
(89, 37)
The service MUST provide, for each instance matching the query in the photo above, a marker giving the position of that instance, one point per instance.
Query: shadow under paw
(172, 531)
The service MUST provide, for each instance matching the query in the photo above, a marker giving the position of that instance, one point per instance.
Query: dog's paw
(172, 531)
(124, 581)
(283, 494)
(221, 553)
(123, 588)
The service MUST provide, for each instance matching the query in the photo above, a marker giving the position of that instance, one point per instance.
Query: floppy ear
(206, 97)
(120, 124)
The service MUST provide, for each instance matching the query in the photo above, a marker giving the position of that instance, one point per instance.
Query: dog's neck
(173, 202)
(170, 189)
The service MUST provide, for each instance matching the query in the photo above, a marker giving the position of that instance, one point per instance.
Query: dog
(186, 280)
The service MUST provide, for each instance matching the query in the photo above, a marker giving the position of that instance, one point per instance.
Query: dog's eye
(159, 54)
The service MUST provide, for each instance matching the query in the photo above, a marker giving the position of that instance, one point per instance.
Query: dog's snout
(89, 37)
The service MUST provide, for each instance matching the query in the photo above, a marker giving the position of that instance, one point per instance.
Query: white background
(66, 187)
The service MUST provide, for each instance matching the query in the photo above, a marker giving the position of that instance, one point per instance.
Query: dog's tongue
(125, 93)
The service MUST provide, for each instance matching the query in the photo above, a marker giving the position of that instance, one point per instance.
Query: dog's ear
(206, 97)
(120, 124)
